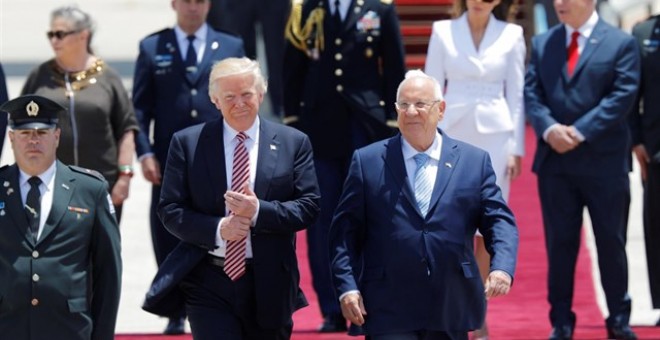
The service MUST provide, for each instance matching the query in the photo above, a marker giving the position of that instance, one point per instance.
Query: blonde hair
(234, 66)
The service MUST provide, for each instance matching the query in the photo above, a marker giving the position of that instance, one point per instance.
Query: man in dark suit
(3, 116)
(241, 17)
(580, 85)
(412, 224)
(237, 181)
(645, 130)
(60, 258)
(340, 89)
(169, 90)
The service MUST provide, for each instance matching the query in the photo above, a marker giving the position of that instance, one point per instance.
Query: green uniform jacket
(67, 285)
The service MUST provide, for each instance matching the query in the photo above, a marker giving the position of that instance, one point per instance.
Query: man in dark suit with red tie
(169, 94)
(235, 192)
(580, 86)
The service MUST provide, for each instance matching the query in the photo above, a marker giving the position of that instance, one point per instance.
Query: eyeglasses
(419, 106)
(60, 34)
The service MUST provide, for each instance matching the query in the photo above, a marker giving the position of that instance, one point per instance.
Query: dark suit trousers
(563, 198)
(218, 308)
(652, 230)
(331, 173)
(422, 335)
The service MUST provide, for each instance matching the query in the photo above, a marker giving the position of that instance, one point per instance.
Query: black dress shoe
(333, 324)
(621, 333)
(175, 326)
(561, 333)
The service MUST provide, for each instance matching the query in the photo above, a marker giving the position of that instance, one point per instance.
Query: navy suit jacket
(164, 93)
(596, 99)
(420, 272)
(3, 115)
(192, 205)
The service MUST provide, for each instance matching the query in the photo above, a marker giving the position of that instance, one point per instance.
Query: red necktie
(573, 53)
(235, 251)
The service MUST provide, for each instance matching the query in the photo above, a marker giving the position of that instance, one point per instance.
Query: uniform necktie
(423, 186)
(573, 53)
(33, 206)
(191, 55)
(336, 17)
(235, 252)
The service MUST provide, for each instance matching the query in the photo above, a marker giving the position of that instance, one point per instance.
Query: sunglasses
(60, 34)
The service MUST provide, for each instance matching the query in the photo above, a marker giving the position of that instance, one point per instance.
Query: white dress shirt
(252, 145)
(46, 190)
(199, 43)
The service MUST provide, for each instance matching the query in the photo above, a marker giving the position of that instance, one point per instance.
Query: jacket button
(35, 254)
(339, 72)
(35, 277)
(382, 103)
(338, 56)
(34, 302)
(193, 113)
(338, 41)
(340, 88)
(370, 39)
(193, 92)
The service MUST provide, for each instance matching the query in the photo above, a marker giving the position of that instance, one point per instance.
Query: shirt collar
(586, 28)
(200, 34)
(230, 133)
(45, 176)
(433, 151)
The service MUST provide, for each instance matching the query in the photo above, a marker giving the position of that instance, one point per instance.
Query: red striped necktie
(235, 251)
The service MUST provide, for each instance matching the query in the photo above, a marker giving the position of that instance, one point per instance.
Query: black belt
(220, 261)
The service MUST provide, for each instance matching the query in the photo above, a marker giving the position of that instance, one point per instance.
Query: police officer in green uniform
(60, 264)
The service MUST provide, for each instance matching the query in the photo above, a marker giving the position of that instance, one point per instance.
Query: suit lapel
(591, 44)
(170, 46)
(448, 158)
(10, 196)
(395, 162)
(214, 154)
(460, 30)
(63, 190)
(269, 149)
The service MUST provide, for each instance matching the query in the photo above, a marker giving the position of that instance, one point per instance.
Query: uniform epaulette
(387, 2)
(159, 32)
(89, 172)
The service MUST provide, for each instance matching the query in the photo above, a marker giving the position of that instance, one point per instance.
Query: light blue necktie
(423, 186)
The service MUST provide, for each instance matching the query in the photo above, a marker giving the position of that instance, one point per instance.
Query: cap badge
(32, 108)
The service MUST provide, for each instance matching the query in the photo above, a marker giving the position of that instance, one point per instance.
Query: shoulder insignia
(88, 172)
(159, 32)
(387, 2)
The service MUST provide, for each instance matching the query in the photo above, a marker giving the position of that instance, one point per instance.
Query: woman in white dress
(480, 59)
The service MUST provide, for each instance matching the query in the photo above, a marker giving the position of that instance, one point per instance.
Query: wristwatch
(126, 170)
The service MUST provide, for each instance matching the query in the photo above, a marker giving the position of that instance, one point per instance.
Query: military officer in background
(60, 264)
(344, 60)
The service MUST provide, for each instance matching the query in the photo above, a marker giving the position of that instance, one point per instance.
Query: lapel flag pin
(215, 45)
(65, 186)
(448, 165)
(5, 184)
(273, 147)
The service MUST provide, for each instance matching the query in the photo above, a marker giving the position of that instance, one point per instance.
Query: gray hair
(234, 66)
(419, 74)
(80, 20)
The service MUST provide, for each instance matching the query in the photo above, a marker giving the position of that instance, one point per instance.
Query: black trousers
(652, 230)
(422, 335)
(219, 308)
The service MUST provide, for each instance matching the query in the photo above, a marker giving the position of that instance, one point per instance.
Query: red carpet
(523, 314)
